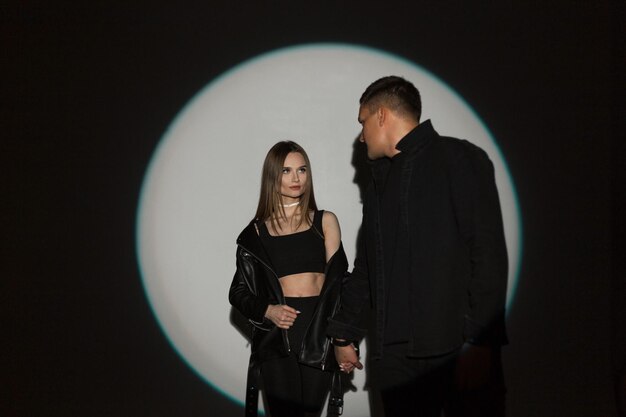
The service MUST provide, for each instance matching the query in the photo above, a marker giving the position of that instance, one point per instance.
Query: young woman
(290, 264)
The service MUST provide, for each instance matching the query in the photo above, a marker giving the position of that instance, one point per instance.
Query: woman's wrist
(340, 342)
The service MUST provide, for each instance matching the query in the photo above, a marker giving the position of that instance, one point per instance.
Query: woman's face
(294, 178)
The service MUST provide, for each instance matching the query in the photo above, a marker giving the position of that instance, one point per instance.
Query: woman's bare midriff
(305, 284)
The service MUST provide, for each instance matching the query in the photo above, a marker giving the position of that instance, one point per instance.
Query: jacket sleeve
(243, 294)
(479, 217)
(347, 323)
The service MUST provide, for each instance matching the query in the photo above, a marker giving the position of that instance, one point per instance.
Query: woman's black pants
(292, 389)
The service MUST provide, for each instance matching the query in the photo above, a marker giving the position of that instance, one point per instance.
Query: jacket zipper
(327, 341)
(286, 338)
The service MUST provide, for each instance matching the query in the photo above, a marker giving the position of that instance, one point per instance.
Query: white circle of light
(202, 185)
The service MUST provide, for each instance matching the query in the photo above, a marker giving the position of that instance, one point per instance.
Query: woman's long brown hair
(270, 202)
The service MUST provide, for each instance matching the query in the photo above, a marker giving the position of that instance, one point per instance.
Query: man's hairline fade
(379, 94)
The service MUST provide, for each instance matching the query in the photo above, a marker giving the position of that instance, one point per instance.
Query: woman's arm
(253, 306)
(332, 233)
(241, 296)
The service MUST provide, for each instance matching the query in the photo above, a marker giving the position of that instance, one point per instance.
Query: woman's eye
(302, 170)
(285, 170)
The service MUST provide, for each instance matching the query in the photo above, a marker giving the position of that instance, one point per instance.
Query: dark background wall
(87, 90)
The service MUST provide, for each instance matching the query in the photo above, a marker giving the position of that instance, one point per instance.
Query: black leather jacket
(255, 286)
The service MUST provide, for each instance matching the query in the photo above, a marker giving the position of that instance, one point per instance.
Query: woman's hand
(347, 358)
(281, 315)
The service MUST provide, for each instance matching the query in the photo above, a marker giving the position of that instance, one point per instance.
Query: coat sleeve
(243, 294)
(479, 218)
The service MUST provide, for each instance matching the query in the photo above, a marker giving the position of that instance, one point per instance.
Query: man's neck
(403, 128)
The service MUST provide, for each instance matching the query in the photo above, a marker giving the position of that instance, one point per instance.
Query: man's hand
(281, 315)
(473, 367)
(347, 358)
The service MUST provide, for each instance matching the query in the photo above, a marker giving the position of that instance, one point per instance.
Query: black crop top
(298, 252)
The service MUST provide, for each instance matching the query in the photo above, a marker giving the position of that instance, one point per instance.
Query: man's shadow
(362, 178)
(362, 171)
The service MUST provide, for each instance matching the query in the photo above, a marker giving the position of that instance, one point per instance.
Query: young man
(433, 265)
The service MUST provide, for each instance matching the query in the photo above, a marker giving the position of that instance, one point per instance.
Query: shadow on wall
(362, 178)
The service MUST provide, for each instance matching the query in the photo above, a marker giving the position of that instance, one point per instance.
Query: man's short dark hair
(395, 93)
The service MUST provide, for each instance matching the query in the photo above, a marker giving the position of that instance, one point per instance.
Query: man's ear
(381, 115)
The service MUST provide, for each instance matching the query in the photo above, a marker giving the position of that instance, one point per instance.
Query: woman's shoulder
(329, 221)
(328, 215)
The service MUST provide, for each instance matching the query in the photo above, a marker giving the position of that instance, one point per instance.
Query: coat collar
(250, 240)
(417, 138)
(412, 143)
